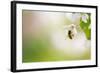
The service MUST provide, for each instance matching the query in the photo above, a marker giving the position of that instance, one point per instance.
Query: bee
(71, 31)
(70, 34)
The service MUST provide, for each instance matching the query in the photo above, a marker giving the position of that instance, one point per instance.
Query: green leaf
(85, 27)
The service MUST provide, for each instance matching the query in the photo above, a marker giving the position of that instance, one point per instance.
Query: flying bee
(70, 34)
(71, 31)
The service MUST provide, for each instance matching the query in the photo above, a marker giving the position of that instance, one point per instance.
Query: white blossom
(85, 17)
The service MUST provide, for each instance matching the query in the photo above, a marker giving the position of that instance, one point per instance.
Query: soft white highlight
(85, 17)
(76, 46)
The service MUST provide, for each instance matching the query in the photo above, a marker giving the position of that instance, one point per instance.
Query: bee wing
(65, 33)
(74, 31)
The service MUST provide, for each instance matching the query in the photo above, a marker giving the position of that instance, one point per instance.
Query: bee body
(70, 34)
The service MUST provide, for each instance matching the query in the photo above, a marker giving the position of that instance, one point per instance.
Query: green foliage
(85, 27)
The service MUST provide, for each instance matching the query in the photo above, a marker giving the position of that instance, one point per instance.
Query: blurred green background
(44, 36)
